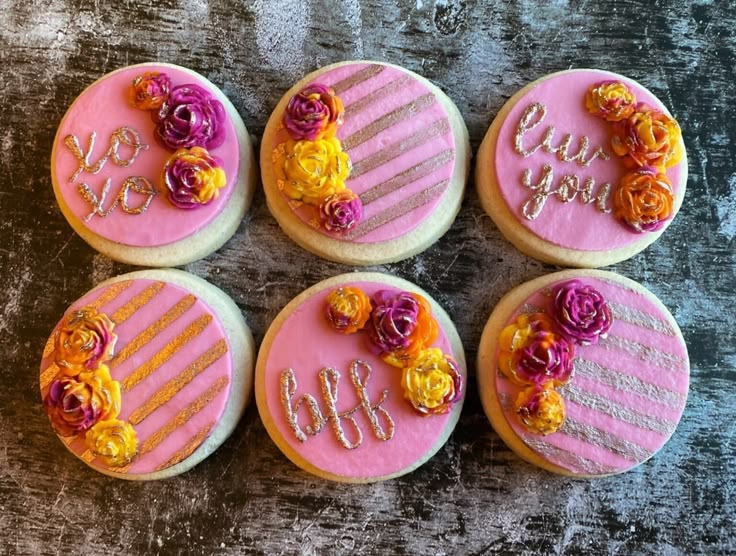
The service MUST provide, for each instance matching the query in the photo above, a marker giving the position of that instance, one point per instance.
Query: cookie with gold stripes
(583, 373)
(147, 374)
(365, 162)
(152, 165)
(360, 378)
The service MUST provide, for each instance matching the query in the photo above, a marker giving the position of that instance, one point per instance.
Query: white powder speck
(281, 31)
(726, 208)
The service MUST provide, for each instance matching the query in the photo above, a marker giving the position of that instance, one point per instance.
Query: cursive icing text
(122, 136)
(136, 184)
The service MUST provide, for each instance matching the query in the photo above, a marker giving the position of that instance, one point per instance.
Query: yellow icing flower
(348, 309)
(115, 442)
(312, 170)
(193, 177)
(85, 340)
(540, 408)
(610, 100)
(432, 382)
(648, 138)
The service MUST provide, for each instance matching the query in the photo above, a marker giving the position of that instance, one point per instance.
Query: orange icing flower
(610, 100)
(648, 138)
(115, 442)
(540, 408)
(150, 90)
(644, 199)
(348, 309)
(312, 170)
(432, 382)
(425, 333)
(85, 340)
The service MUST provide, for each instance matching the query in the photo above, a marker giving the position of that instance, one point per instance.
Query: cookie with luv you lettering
(147, 374)
(582, 168)
(152, 165)
(360, 378)
(365, 163)
(583, 372)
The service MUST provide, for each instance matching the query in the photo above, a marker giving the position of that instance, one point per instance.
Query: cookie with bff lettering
(365, 163)
(583, 372)
(360, 378)
(147, 374)
(152, 165)
(582, 168)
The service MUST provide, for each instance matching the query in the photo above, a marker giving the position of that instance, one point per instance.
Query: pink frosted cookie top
(626, 394)
(401, 146)
(573, 224)
(172, 360)
(103, 108)
(306, 343)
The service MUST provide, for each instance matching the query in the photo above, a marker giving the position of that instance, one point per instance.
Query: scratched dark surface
(474, 496)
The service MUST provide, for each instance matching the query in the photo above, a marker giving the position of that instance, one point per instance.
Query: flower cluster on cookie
(84, 399)
(649, 142)
(401, 329)
(191, 122)
(311, 166)
(536, 352)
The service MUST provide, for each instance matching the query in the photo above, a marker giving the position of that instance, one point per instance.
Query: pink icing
(321, 346)
(410, 91)
(673, 377)
(135, 397)
(572, 225)
(103, 108)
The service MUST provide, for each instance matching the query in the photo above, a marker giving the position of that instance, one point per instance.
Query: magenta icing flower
(581, 312)
(546, 356)
(191, 117)
(193, 177)
(393, 320)
(313, 113)
(341, 212)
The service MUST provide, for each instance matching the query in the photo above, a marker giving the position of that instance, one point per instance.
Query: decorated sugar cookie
(152, 165)
(147, 374)
(582, 168)
(583, 373)
(360, 378)
(365, 163)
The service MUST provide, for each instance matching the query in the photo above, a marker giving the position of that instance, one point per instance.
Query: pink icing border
(572, 225)
(132, 399)
(103, 107)
(321, 346)
(412, 90)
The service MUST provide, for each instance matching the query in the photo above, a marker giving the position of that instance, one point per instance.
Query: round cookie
(147, 374)
(152, 165)
(583, 373)
(365, 163)
(582, 168)
(360, 378)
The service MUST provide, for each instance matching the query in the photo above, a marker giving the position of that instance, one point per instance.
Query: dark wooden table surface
(474, 496)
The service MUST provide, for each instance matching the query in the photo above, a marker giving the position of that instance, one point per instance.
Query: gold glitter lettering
(137, 184)
(122, 136)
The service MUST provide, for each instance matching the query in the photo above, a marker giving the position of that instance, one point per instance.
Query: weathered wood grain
(475, 496)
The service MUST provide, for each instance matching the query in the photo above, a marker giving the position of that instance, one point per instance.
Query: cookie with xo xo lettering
(147, 374)
(360, 378)
(365, 163)
(153, 166)
(582, 168)
(583, 372)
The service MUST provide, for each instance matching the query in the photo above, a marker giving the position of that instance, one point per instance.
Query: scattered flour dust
(281, 32)
(353, 15)
(726, 208)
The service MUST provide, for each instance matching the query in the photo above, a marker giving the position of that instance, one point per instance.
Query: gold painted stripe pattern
(567, 459)
(358, 77)
(167, 352)
(604, 439)
(389, 120)
(87, 456)
(48, 349)
(130, 308)
(640, 318)
(371, 162)
(398, 210)
(149, 333)
(379, 94)
(49, 374)
(188, 448)
(110, 293)
(183, 416)
(410, 175)
(648, 354)
(173, 386)
(529, 308)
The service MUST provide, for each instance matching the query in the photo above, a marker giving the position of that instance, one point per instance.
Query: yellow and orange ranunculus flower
(115, 442)
(648, 138)
(432, 382)
(644, 200)
(348, 309)
(610, 100)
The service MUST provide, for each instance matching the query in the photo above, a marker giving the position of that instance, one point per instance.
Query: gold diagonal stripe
(388, 120)
(640, 318)
(130, 308)
(49, 374)
(110, 293)
(604, 439)
(48, 349)
(413, 174)
(379, 94)
(648, 354)
(188, 448)
(170, 389)
(183, 416)
(167, 352)
(358, 77)
(149, 333)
